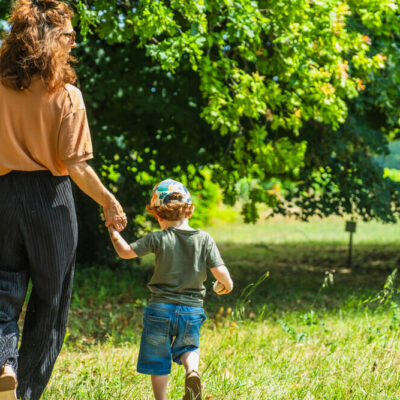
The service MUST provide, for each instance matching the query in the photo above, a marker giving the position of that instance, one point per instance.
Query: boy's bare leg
(190, 360)
(159, 383)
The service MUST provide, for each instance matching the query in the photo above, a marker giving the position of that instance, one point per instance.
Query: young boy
(174, 315)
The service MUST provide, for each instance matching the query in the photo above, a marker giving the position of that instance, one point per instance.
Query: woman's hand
(88, 181)
(114, 215)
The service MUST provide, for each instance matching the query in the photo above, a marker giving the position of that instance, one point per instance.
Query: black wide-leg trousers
(38, 240)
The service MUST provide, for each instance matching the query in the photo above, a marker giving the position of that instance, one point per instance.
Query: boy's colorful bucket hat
(162, 193)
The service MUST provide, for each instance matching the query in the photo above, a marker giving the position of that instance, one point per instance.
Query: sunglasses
(71, 35)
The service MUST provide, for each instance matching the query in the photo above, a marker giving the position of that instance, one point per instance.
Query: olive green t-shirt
(182, 259)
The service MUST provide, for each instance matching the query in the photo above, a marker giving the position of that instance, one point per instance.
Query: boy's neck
(180, 224)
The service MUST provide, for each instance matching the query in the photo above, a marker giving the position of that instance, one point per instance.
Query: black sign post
(350, 227)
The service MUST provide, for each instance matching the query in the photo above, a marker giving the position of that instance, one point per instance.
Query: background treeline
(296, 100)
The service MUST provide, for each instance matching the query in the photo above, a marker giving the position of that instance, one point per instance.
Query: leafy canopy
(304, 91)
(294, 99)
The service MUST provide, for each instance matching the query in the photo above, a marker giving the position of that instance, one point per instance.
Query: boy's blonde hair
(172, 211)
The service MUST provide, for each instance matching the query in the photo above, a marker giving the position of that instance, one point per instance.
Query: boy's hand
(114, 215)
(219, 288)
(113, 233)
(224, 283)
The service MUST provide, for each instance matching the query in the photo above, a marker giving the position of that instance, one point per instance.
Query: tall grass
(309, 329)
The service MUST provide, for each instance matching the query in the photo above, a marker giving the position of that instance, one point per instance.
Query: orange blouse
(42, 131)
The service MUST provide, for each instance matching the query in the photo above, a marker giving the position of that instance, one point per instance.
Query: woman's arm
(88, 181)
(120, 245)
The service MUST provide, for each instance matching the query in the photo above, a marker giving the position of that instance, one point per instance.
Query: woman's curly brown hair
(172, 211)
(33, 46)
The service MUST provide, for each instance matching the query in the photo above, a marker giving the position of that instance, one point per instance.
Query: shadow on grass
(109, 302)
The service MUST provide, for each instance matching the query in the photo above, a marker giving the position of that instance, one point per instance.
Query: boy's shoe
(192, 386)
(8, 383)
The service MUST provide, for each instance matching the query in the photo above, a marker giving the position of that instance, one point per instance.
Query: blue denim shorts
(169, 330)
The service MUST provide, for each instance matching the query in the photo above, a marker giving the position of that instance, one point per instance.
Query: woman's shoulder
(68, 99)
(74, 95)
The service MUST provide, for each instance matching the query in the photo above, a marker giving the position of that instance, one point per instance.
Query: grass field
(313, 329)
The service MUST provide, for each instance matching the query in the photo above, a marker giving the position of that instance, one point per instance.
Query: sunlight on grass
(309, 327)
(284, 230)
(339, 358)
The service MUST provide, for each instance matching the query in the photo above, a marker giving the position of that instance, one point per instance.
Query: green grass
(340, 357)
(282, 230)
(295, 339)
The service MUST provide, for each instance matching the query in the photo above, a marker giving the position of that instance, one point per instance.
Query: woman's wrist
(109, 200)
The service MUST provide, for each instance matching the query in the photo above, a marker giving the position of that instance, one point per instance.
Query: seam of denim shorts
(156, 306)
(153, 371)
(192, 312)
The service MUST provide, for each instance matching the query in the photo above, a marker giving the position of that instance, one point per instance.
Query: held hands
(114, 215)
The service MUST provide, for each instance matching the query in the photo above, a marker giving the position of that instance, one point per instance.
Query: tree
(146, 126)
(285, 82)
(297, 99)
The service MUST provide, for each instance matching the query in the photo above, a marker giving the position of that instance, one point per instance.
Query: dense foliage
(294, 99)
(306, 91)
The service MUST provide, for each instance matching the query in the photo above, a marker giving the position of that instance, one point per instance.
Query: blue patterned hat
(163, 190)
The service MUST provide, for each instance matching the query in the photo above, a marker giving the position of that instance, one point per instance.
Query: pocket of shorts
(156, 329)
(192, 332)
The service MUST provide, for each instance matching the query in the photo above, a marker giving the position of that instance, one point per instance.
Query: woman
(44, 141)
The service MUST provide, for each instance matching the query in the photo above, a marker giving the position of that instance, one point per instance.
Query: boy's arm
(120, 245)
(221, 274)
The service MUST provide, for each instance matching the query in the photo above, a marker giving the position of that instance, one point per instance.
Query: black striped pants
(38, 239)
